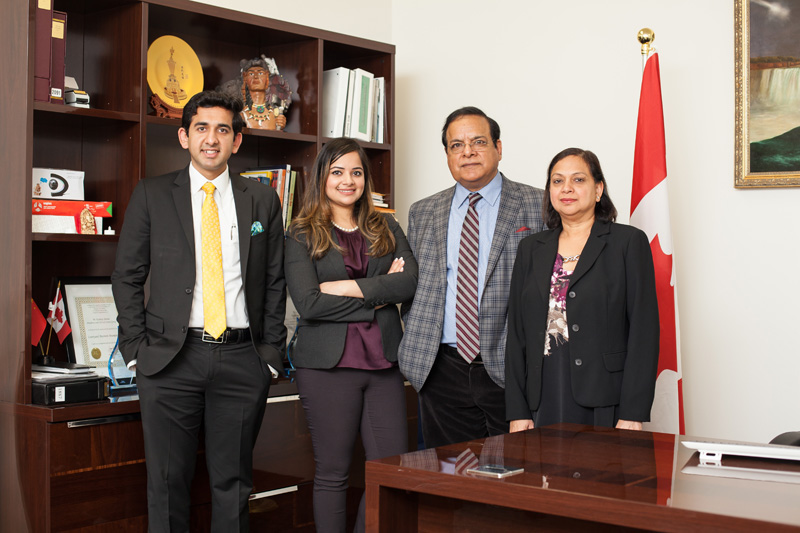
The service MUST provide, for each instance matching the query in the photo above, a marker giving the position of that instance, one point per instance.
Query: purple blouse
(363, 346)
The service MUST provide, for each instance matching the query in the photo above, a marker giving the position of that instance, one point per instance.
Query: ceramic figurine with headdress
(265, 94)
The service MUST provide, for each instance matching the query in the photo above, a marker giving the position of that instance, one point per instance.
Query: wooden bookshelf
(54, 476)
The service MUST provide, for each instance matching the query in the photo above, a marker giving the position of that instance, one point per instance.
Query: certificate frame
(92, 316)
(762, 154)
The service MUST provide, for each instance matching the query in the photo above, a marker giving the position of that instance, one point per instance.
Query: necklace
(259, 113)
(337, 226)
(571, 258)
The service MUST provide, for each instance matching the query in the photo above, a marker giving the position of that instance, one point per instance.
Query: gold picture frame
(767, 153)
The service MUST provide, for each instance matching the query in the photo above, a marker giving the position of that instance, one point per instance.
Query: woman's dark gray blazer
(324, 317)
(612, 316)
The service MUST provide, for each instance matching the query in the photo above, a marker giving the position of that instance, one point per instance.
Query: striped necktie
(467, 324)
(213, 284)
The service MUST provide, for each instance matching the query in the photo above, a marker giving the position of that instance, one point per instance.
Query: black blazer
(324, 317)
(158, 239)
(612, 312)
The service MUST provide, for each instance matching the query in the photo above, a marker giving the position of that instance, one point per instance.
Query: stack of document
(60, 371)
(353, 104)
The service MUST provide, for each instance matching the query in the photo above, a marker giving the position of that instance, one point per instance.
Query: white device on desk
(744, 460)
(711, 451)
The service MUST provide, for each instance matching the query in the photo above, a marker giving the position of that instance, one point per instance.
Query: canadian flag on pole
(58, 317)
(650, 213)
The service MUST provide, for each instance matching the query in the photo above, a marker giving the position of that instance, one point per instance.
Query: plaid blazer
(520, 215)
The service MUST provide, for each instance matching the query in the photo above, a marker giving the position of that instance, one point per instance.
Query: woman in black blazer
(347, 266)
(583, 323)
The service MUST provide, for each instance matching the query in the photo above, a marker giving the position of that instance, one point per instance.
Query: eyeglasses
(478, 145)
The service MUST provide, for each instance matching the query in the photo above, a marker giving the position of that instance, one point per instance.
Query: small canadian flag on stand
(58, 317)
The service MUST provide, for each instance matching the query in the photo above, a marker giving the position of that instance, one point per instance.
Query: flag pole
(645, 37)
(50, 333)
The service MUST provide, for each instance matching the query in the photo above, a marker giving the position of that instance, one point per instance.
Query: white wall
(558, 74)
(370, 19)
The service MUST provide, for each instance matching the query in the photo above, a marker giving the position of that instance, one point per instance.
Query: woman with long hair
(347, 268)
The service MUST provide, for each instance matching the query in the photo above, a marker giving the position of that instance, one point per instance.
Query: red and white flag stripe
(650, 213)
(58, 317)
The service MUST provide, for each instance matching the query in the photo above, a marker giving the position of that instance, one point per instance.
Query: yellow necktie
(213, 284)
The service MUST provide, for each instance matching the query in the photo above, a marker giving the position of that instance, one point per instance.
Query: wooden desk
(576, 478)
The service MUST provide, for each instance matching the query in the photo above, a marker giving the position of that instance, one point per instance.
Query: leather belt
(229, 336)
(453, 352)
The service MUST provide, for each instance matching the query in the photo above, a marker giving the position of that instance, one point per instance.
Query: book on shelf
(279, 178)
(58, 55)
(363, 105)
(380, 111)
(290, 201)
(354, 104)
(379, 200)
(334, 101)
(261, 176)
(41, 52)
(348, 112)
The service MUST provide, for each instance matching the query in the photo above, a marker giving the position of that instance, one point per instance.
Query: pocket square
(256, 228)
(523, 228)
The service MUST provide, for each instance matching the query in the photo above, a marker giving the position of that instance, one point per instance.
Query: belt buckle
(220, 340)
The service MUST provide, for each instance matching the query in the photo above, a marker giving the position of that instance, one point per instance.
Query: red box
(70, 207)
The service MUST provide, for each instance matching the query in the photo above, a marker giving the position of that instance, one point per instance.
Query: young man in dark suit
(209, 339)
(457, 366)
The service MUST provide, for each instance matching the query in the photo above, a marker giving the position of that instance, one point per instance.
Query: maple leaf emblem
(59, 315)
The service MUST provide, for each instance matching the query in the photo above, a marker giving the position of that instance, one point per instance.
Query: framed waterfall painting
(767, 57)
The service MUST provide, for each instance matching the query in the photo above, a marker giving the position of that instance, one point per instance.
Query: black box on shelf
(88, 389)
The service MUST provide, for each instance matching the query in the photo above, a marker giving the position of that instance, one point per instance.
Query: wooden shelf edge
(68, 237)
(278, 135)
(281, 135)
(77, 411)
(83, 112)
(365, 144)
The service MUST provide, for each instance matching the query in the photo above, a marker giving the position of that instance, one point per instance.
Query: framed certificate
(92, 316)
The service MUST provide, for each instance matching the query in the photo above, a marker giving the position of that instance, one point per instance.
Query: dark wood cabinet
(81, 467)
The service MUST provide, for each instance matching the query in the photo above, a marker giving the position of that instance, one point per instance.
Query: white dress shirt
(235, 309)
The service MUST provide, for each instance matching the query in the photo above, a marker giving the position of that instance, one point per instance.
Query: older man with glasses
(465, 241)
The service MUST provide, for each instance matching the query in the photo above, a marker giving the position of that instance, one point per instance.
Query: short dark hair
(603, 210)
(213, 99)
(494, 127)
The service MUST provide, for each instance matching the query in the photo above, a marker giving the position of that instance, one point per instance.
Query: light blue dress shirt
(487, 207)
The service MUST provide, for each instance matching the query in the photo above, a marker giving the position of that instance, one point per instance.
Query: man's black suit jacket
(158, 240)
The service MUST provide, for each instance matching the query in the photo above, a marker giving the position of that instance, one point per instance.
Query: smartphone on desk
(495, 471)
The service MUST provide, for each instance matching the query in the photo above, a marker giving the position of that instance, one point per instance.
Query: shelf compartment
(221, 44)
(103, 51)
(106, 150)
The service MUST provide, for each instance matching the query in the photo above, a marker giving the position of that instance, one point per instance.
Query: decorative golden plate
(174, 73)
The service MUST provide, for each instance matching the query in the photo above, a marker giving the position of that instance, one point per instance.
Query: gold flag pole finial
(646, 36)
